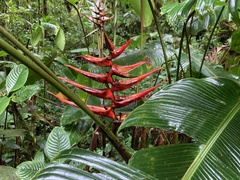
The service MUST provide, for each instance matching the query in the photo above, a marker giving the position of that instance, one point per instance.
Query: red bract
(103, 62)
(121, 70)
(124, 101)
(114, 53)
(117, 70)
(125, 84)
(102, 111)
(101, 93)
(102, 78)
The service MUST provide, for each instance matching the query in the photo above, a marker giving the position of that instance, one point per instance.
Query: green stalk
(181, 45)
(48, 75)
(115, 22)
(142, 25)
(81, 23)
(209, 40)
(161, 41)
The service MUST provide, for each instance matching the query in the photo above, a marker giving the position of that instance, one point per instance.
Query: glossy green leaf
(25, 93)
(28, 169)
(171, 161)
(12, 132)
(57, 141)
(136, 5)
(4, 101)
(37, 36)
(105, 165)
(207, 110)
(233, 6)
(60, 39)
(16, 78)
(64, 172)
(8, 173)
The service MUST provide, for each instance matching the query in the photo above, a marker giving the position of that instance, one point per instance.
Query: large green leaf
(172, 161)
(207, 110)
(105, 165)
(28, 169)
(16, 78)
(64, 171)
(57, 141)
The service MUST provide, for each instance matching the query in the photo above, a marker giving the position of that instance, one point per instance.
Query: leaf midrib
(212, 140)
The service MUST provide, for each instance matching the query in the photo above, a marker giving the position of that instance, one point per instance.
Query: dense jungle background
(119, 89)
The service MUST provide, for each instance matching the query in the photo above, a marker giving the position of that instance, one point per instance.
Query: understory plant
(111, 78)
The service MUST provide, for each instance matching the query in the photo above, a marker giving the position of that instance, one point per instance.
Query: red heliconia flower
(125, 84)
(124, 101)
(103, 62)
(114, 53)
(120, 71)
(101, 93)
(102, 78)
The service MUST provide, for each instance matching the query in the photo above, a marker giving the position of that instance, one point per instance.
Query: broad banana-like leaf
(207, 110)
(112, 169)
(64, 172)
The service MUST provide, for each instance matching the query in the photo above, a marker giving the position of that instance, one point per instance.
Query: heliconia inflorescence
(111, 84)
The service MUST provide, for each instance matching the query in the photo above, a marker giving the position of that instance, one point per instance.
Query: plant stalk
(209, 40)
(161, 41)
(142, 25)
